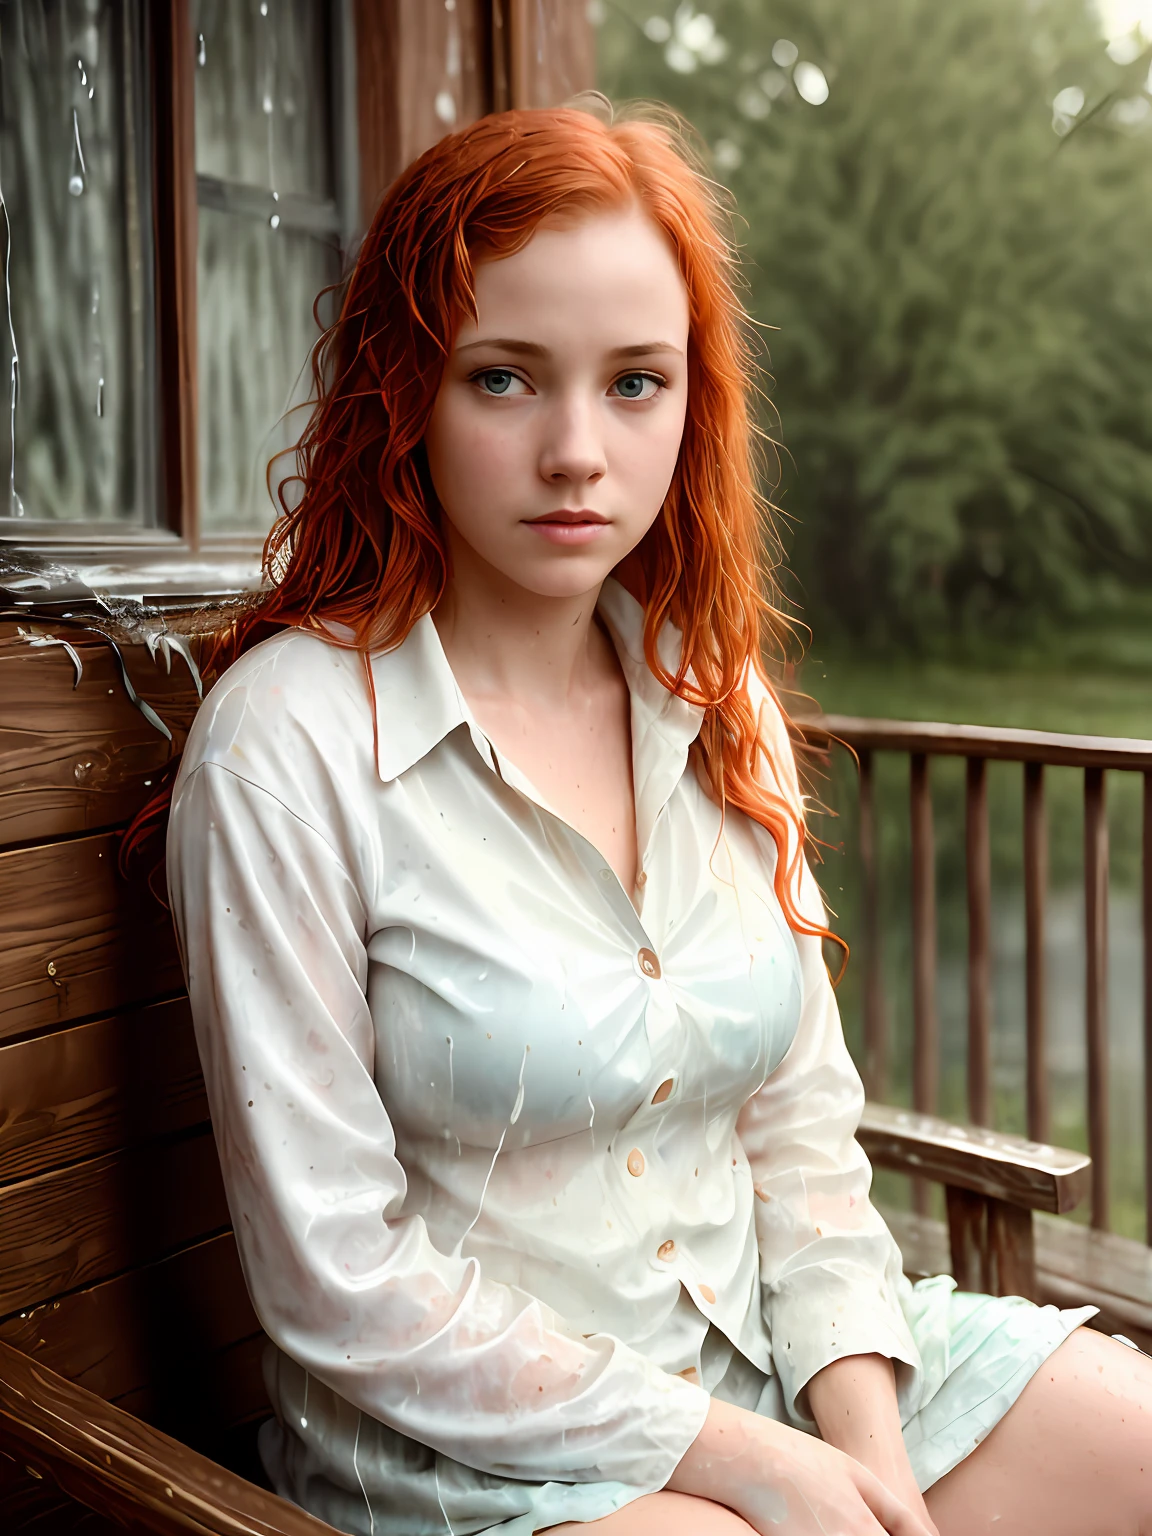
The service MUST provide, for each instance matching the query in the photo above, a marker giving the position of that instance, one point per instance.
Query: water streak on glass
(78, 334)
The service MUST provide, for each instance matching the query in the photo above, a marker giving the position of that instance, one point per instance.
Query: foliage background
(957, 280)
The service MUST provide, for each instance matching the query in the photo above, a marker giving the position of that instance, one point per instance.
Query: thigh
(1071, 1457)
(662, 1514)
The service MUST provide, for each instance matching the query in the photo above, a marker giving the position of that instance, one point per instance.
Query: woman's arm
(854, 1404)
(786, 1483)
(273, 935)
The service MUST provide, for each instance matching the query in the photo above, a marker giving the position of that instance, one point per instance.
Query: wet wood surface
(1096, 989)
(1075, 1266)
(76, 759)
(992, 1246)
(1025, 1173)
(34, 1505)
(79, 1224)
(76, 938)
(127, 1470)
(109, 1336)
(96, 1087)
(1002, 743)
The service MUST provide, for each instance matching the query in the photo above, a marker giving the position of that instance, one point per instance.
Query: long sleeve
(831, 1272)
(272, 933)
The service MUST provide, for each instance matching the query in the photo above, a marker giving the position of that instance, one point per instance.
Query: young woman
(528, 1083)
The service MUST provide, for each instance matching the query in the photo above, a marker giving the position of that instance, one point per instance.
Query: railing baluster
(925, 1044)
(979, 871)
(1096, 985)
(1146, 878)
(875, 1013)
(1035, 896)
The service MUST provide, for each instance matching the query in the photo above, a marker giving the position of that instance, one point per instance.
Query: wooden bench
(130, 1380)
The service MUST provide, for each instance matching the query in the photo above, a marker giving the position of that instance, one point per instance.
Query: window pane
(257, 287)
(269, 232)
(78, 302)
(263, 113)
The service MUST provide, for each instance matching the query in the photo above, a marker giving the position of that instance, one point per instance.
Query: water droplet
(274, 221)
(75, 185)
(267, 105)
(263, 7)
(201, 53)
(445, 107)
(100, 397)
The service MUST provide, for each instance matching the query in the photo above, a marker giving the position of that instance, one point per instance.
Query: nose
(573, 447)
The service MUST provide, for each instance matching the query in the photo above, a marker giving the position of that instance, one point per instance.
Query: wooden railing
(1035, 751)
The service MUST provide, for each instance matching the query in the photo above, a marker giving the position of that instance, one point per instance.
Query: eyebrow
(534, 349)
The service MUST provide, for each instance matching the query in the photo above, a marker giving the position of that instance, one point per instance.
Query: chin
(563, 578)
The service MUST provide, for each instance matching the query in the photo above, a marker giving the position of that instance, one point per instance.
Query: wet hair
(360, 541)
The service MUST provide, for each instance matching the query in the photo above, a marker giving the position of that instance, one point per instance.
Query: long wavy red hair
(360, 541)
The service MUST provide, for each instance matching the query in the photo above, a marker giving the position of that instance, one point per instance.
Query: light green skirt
(977, 1352)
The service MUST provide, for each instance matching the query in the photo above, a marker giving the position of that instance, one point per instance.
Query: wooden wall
(424, 70)
(117, 1264)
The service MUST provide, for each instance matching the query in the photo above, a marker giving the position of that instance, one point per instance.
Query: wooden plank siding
(74, 759)
(76, 939)
(72, 1226)
(97, 1087)
(202, 1286)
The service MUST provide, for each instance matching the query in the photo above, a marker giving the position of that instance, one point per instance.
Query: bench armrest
(1023, 1173)
(124, 1469)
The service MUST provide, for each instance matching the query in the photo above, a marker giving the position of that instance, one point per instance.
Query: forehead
(609, 272)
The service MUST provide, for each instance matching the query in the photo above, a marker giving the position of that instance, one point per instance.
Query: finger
(896, 1518)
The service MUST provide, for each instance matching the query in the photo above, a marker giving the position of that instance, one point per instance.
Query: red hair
(360, 542)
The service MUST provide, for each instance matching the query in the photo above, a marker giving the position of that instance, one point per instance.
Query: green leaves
(956, 265)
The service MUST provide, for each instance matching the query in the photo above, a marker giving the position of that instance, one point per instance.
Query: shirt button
(707, 1292)
(649, 964)
(635, 1162)
(642, 879)
(605, 874)
(666, 1251)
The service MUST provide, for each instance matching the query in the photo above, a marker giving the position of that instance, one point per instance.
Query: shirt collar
(418, 701)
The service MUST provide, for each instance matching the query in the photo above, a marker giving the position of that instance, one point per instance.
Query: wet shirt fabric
(520, 1171)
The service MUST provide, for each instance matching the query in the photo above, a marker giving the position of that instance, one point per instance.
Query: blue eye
(637, 386)
(497, 381)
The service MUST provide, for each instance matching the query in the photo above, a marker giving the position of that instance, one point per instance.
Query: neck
(501, 639)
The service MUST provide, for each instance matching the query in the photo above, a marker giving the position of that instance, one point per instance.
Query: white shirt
(502, 1151)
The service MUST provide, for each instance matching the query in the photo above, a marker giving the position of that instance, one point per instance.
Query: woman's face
(557, 426)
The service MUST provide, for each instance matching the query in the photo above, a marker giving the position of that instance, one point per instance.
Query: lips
(567, 515)
(569, 527)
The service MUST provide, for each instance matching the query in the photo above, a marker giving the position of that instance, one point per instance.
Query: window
(88, 250)
(77, 424)
(270, 235)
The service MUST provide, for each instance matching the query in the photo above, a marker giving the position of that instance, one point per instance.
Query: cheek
(473, 457)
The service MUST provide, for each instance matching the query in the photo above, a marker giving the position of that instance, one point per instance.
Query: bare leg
(1071, 1457)
(662, 1514)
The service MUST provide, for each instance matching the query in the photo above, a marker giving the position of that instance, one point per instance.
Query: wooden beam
(1024, 1173)
(124, 1469)
(174, 202)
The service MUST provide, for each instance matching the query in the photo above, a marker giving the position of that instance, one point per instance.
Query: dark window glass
(77, 394)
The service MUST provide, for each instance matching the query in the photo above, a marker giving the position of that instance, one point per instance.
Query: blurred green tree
(947, 210)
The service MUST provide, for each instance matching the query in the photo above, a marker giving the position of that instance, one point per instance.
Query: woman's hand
(854, 1404)
(786, 1483)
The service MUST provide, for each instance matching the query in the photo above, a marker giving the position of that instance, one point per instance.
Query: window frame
(387, 66)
